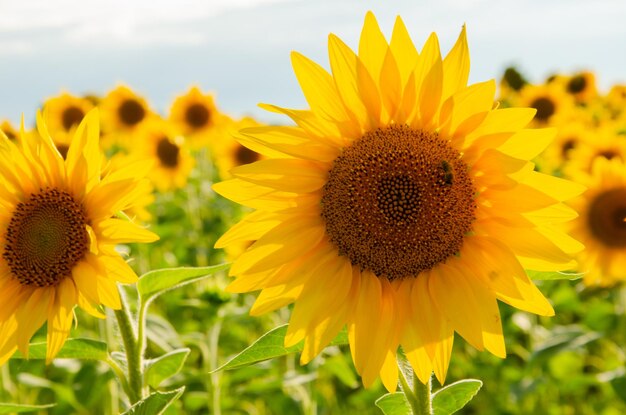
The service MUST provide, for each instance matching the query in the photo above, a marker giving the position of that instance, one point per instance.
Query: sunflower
(196, 116)
(569, 138)
(601, 225)
(550, 101)
(64, 112)
(604, 141)
(59, 233)
(582, 86)
(123, 112)
(403, 206)
(158, 141)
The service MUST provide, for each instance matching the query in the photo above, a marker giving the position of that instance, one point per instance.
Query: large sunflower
(58, 234)
(403, 206)
(601, 225)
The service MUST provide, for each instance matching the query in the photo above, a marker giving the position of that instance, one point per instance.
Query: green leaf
(165, 366)
(272, 345)
(553, 275)
(85, 349)
(11, 408)
(455, 396)
(156, 403)
(394, 404)
(156, 282)
(619, 386)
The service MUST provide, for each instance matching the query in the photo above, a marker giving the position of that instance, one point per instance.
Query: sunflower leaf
(270, 346)
(553, 275)
(12, 408)
(165, 366)
(156, 403)
(85, 349)
(394, 404)
(154, 283)
(455, 396)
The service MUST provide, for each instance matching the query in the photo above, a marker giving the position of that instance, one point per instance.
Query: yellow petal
(528, 144)
(403, 50)
(372, 46)
(119, 231)
(60, 317)
(31, 316)
(250, 228)
(456, 67)
(501, 269)
(389, 372)
(289, 175)
(283, 243)
(344, 64)
(290, 141)
(8, 330)
(452, 294)
(86, 280)
(318, 88)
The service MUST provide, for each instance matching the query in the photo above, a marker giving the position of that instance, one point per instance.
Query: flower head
(58, 232)
(402, 204)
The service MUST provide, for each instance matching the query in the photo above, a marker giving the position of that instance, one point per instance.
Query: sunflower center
(167, 152)
(197, 115)
(576, 84)
(71, 116)
(45, 238)
(398, 202)
(244, 155)
(545, 108)
(607, 218)
(131, 112)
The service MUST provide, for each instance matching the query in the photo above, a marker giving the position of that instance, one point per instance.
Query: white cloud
(116, 22)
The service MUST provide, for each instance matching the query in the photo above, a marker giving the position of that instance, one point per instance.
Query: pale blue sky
(239, 49)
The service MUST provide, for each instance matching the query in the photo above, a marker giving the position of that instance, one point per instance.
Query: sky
(239, 49)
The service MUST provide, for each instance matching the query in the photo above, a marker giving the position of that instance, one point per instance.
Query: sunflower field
(409, 243)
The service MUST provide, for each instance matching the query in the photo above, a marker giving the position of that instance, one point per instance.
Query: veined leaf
(165, 366)
(394, 404)
(272, 345)
(455, 396)
(154, 283)
(156, 403)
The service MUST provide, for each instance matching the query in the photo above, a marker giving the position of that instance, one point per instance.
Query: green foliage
(155, 404)
(165, 366)
(455, 396)
(85, 349)
(156, 282)
(271, 346)
(394, 404)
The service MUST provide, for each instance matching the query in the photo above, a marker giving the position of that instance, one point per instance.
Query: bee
(448, 173)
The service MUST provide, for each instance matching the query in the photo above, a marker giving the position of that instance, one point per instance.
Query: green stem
(419, 397)
(133, 357)
(424, 395)
(214, 335)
